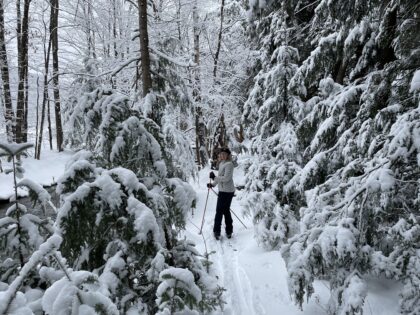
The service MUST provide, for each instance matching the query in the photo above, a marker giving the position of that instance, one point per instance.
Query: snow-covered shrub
(177, 292)
(178, 147)
(21, 232)
(12, 299)
(103, 210)
(273, 223)
(78, 291)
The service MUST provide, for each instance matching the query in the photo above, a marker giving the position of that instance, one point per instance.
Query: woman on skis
(224, 181)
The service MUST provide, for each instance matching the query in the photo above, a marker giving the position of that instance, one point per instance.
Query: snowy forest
(112, 114)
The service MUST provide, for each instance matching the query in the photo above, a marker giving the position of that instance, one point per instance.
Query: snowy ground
(44, 171)
(256, 280)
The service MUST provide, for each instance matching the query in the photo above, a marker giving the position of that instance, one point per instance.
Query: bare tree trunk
(219, 40)
(25, 105)
(49, 123)
(178, 19)
(121, 29)
(55, 70)
(200, 127)
(8, 113)
(144, 47)
(44, 98)
(22, 70)
(37, 114)
(87, 9)
(114, 27)
(113, 34)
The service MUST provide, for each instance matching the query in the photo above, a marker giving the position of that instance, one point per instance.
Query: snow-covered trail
(239, 296)
(256, 280)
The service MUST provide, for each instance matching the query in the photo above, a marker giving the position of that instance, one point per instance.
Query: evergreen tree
(121, 210)
(274, 109)
(30, 260)
(354, 181)
(21, 232)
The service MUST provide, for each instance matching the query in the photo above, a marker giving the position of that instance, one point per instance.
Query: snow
(6, 297)
(44, 172)
(354, 295)
(415, 82)
(43, 196)
(145, 220)
(15, 148)
(78, 293)
(181, 278)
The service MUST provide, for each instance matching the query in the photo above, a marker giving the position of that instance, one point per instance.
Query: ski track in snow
(256, 280)
(239, 294)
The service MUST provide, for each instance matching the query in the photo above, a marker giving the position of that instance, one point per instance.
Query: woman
(226, 191)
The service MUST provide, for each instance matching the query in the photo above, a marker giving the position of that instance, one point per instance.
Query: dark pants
(223, 209)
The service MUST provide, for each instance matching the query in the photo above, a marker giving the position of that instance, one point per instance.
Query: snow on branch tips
(14, 149)
(7, 297)
(415, 82)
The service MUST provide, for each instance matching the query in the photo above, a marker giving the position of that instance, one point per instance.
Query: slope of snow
(256, 280)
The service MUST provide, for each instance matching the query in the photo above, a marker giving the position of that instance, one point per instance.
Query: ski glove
(209, 185)
(211, 175)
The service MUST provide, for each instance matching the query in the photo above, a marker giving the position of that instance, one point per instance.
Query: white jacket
(225, 177)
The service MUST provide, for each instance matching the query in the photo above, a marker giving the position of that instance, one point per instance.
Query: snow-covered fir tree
(354, 184)
(122, 210)
(274, 110)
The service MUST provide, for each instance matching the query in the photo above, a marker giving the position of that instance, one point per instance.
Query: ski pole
(205, 207)
(231, 210)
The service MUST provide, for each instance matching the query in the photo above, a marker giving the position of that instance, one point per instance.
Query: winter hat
(226, 150)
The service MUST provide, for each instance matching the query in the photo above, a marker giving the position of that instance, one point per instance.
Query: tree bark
(90, 34)
(219, 40)
(22, 71)
(144, 47)
(4, 67)
(55, 71)
(200, 127)
(49, 124)
(37, 114)
(114, 28)
(25, 104)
